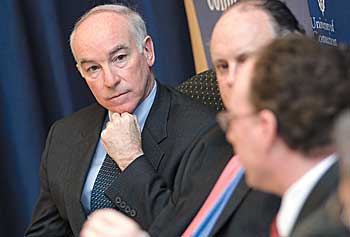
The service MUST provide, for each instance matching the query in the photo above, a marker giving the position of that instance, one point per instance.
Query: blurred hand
(122, 139)
(110, 223)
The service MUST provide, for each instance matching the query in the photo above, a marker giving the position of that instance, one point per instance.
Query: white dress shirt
(296, 195)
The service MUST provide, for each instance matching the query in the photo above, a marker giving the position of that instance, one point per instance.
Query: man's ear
(80, 70)
(148, 50)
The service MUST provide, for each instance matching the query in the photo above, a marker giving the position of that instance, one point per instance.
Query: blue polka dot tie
(107, 174)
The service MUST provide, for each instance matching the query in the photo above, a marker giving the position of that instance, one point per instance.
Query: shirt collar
(297, 193)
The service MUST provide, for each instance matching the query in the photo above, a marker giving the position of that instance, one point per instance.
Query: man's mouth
(118, 95)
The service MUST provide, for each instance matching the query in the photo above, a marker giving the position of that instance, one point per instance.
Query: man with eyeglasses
(238, 211)
(139, 132)
(280, 122)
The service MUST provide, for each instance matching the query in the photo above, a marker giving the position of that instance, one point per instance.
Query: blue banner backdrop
(39, 84)
(326, 20)
(329, 20)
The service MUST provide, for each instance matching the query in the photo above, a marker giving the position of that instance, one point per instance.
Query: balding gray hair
(137, 24)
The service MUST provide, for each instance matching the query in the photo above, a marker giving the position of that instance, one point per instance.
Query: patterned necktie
(107, 174)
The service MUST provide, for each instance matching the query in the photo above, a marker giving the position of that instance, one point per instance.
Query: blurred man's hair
(306, 86)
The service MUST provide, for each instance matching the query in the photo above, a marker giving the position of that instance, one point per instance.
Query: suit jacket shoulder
(324, 188)
(197, 175)
(69, 147)
(81, 122)
(324, 222)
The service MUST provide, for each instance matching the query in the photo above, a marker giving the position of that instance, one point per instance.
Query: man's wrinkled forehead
(247, 14)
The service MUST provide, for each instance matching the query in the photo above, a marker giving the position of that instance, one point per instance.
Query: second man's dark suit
(248, 213)
(173, 123)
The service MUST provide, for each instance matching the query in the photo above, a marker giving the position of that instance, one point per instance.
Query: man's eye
(93, 68)
(242, 58)
(221, 67)
(120, 58)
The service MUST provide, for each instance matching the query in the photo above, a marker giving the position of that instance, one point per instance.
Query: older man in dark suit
(147, 129)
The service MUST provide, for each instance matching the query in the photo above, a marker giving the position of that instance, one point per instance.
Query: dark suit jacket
(324, 222)
(173, 122)
(324, 188)
(248, 213)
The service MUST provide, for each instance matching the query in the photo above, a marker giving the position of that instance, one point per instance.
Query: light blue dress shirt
(141, 113)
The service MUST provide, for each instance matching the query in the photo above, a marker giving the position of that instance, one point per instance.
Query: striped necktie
(230, 175)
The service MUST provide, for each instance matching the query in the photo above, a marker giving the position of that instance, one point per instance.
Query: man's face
(117, 73)
(244, 131)
(236, 36)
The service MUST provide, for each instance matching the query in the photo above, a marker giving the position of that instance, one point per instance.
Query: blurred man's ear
(268, 127)
(148, 50)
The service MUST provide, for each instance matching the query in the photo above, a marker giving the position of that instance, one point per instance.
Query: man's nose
(232, 74)
(111, 77)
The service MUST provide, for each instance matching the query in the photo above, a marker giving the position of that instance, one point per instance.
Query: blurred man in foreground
(281, 121)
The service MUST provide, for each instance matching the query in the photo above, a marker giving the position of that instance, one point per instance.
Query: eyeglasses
(225, 118)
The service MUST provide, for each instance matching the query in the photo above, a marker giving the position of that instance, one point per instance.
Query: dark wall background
(39, 84)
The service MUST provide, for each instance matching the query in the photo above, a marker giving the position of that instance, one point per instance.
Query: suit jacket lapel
(154, 132)
(236, 198)
(320, 193)
(81, 157)
(155, 129)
